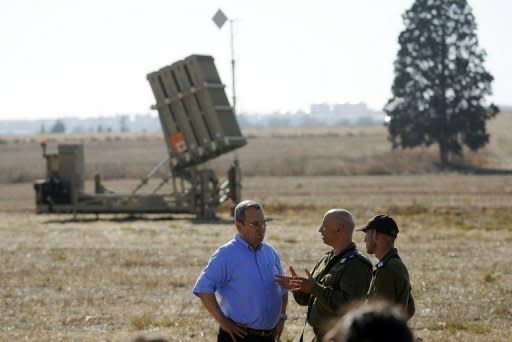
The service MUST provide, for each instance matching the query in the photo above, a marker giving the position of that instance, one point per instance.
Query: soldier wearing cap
(341, 276)
(390, 280)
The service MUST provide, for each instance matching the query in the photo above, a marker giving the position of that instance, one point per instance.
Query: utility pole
(220, 19)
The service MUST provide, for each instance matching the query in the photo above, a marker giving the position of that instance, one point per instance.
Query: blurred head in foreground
(371, 322)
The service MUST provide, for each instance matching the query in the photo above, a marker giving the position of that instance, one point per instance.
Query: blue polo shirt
(243, 280)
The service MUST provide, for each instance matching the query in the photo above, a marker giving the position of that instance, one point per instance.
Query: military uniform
(339, 279)
(390, 281)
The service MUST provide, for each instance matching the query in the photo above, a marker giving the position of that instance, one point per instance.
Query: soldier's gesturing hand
(296, 283)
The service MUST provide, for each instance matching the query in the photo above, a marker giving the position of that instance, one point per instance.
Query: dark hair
(372, 322)
(241, 207)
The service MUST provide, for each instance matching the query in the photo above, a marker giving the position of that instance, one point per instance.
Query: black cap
(381, 223)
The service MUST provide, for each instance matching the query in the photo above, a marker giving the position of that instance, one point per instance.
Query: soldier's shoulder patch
(393, 260)
(355, 254)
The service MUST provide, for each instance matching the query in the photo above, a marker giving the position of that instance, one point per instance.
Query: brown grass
(270, 152)
(116, 279)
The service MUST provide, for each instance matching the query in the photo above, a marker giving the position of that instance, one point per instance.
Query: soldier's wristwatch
(283, 317)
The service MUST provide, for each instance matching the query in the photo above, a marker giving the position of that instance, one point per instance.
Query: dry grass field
(120, 277)
(339, 151)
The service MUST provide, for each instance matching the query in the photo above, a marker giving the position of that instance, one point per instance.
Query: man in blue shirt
(241, 273)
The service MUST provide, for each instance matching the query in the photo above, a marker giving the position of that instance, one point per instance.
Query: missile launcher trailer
(198, 125)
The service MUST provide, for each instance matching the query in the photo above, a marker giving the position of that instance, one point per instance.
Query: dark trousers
(224, 337)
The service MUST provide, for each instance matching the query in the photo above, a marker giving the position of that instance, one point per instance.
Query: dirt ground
(119, 277)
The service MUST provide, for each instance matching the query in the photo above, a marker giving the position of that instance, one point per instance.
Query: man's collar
(391, 253)
(239, 239)
(350, 246)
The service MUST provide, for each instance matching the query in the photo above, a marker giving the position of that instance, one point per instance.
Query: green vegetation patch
(491, 277)
(456, 325)
(464, 218)
(415, 208)
(146, 321)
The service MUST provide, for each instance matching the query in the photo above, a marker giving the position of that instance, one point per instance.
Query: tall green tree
(440, 81)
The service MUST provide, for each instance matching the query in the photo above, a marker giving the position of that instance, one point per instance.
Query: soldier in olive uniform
(390, 279)
(341, 276)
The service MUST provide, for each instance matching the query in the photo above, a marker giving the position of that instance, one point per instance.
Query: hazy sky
(89, 58)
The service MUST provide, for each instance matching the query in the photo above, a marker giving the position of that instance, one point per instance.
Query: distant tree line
(99, 125)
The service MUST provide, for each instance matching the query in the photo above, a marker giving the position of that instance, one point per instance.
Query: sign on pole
(220, 18)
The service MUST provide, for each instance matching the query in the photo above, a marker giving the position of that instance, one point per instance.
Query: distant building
(320, 115)
(320, 108)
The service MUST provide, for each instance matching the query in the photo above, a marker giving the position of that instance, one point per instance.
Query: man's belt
(257, 332)
(260, 332)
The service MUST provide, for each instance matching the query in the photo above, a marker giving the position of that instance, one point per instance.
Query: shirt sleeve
(213, 276)
(301, 298)
(411, 307)
(280, 271)
(386, 285)
(391, 284)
